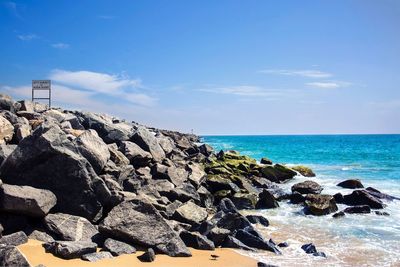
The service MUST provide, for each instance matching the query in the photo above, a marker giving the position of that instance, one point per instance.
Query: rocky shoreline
(80, 181)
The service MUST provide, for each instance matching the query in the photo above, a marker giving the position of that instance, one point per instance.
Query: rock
(206, 150)
(338, 198)
(166, 143)
(26, 200)
(358, 209)
(183, 193)
(362, 197)
(258, 219)
(232, 242)
(6, 130)
(6, 103)
(10, 256)
(117, 248)
(218, 235)
(320, 204)
(92, 147)
(309, 248)
(304, 171)
(351, 184)
(338, 214)
(73, 121)
(278, 173)
(71, 228)
(382, 213)
(283, 245)
(62, 170)
(96, 256)
(255, 241)
(297, 198)
(41, 236)
(148, 142)
(216, 183)
(136, 155)
(378, 194)
(266, 200)
(263, 264)
(307, 187)
(70, 249)
(5, 151)
(137, 222)
(226, 205)
(191, 213)
(207, 199)
(147, 256)
(319, 254)
(14, 239)
(244, 201)
(233, 221)
(12, 223)
(117, 156)
(266, 161)
(21, 131)
(197, 174)
(196, 240)
(174, 174)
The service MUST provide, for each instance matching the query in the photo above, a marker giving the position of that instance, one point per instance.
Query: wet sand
(35, 254)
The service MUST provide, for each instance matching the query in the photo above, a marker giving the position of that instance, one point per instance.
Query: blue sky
(217, 67)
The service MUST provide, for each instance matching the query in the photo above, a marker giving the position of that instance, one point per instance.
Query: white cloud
(60, 45)
(328, 85)
(27, 37)
(244, 90)
(302, 73)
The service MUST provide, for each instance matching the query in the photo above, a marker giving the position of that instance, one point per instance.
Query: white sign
(41, 84)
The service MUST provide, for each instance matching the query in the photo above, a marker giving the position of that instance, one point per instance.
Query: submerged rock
(358, 209)
(304, 171)
(309, 248)
(351, 184)
(307, 187)
(320, 204)
(258, 219)
(278, 173)
(362, 197)
(267, 200)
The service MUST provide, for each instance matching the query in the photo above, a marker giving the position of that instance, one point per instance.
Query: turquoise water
(375, 159)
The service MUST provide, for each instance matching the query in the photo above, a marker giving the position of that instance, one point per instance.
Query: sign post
(41, 85)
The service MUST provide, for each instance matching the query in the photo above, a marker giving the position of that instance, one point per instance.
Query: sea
(353, 240)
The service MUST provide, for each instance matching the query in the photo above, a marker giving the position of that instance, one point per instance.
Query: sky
(214, 67)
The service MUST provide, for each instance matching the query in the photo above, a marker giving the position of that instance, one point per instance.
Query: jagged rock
(190, 213)
(338, 214)
(179, 226)
(378, 194)
(258, 219)
(21, 131)
(14, 239)
(117, 156)
(266, 161)
(244, 201)
(92, 147)
(266, 200)
(5, 151)
(320, 204)
(10, 256)
(147, 141)
(206, 150)
(362, 197)
(309, 248)
(255, 241)
(6, 130)
(216, 183)
(304, 171)
(136, 155)
(358, 209)
(233, 221)
(73, 121)
(261, 182)
(70, 249)
(207, 199)
(226, 205)
(174, 174)
(41, 236)
(218, 235)
(183, 193)
(277, 173)
(140, 223)
(307, 187)
(197, 174)
(71, 228)
(232, 242)
(338, 198)
(62, 170)
(55, 114)
(351, 184)
(96, 256)
(382, 213)
(196, 240)
(296, 198)
(26, 200)
(117, 248)
(166, 143)
(6, 103)
(147, 256)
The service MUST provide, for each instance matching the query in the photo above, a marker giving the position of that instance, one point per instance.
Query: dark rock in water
(196, 240)
(218, 235)
(338, 214)
(148, 256)
(72, 183)
(232, 242)
(378, 194)
(266, 161)
(96, 256)
(338, 198)
(320, 204)
(319, 254)
(147, 141)
(283, 245)
(307, 187)
(14, 239)
(255, 241)
(382, 213)
(70, 249)
(226, 205)
(266, 200)
(304, 171)
(309, 248)
(117, 248)
(190, 213)
(137, 222)
(136, 155)
(358, 209)
(258, 219)
(206, 150)
(26, 200)
(351, 184)
(297, 198)
(362, 197)
(263, 264)
(71, 228)
(244, 200)
(278, 173)
(10, 256)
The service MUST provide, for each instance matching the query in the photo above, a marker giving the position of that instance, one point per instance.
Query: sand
(35, 254)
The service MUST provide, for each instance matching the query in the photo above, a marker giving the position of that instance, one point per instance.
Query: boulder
(266, 200)
(21, 131)
(191, 213)
(206, 150)
(255, 241)
(226, 205)
(197, 174)
(362, 197)
(183, 193)
(5, 151)
(258, 219)
(147, 256)
(338, 214)
(378, 194)
(117, 156)
(338, 198)
(14, 239)
(283, 245)
(166, 143)
(351, 184)
(136, 155)
(309, 248)
(382, 213)
(278, 173)
(266, 161)
(307, 187)
(138, 222)
(358, 209)
(232, 242)
(304, 171)
(207, 199)
(10, 256)
(147, 141)
(320, 204)
(26, 200)
(297, 198)
(96, 256)
(6, 130)
(218, 235)
(71, 228)
(70, 249)
(41, 236)
(196, 240)
(48, 160)
(232, 221)
(6, 103)
(216, 183)
(174, 174)
(244, 200)
(117, 248)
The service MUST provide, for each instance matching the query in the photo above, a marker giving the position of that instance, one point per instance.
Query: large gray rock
(26, 200)
(41, 236)
(5, 151)
(196, 240)
(166, 143)
(10, 256)
(47, 159)
(147, 141)
(6, 103)
(70, 249)
(197, 175)
(140, 223)
(117, 248)
(71, 228)
(191, 213)
(93, 149)
(320, 204)
(307, 187)
(14, 239)
(174, 174)
(117, 156)
(363, 197)
(96, 256)
(136, 155)
(6, 130)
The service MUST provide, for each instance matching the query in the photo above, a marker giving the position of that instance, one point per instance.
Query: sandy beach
(36, 255)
